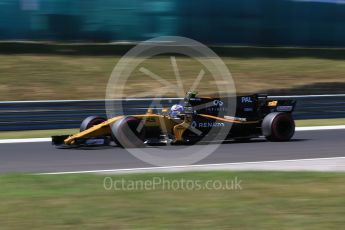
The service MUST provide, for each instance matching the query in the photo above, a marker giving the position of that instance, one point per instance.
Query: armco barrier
(61, 114)
(31, 115)
(318, 106)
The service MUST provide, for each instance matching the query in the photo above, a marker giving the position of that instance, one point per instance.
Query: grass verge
(266, 200)
(320, 122)
(35, 133)
(48, 133)
(61, 76)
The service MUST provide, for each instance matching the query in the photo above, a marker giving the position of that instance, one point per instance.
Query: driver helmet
(176, 110)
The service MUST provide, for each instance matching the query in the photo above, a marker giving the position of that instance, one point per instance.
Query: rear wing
(257, 106)
(276, 104)
(252, 107)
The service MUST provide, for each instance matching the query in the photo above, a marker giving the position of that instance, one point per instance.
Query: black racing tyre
(278, 126)
(126, 134)
(91, 121)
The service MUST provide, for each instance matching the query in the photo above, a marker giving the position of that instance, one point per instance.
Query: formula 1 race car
(255, 116)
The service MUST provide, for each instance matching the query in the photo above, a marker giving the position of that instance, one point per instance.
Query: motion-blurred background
(66, 49)
(247, 22)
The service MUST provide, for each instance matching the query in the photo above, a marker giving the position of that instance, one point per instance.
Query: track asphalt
(43, 157)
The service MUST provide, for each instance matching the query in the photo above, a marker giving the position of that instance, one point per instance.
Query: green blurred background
(254, 22)
(67, 49)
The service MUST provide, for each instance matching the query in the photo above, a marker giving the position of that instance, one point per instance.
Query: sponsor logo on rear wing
(282, 105)
(285, 108)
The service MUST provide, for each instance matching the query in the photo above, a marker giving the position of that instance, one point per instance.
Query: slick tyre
(278, 127)
(90, 122)
(126, 134)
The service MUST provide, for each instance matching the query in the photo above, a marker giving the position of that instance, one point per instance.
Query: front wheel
(90, 122)
(278, 126)
(127, 132)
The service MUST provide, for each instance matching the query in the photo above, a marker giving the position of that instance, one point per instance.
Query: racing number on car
(150, 119)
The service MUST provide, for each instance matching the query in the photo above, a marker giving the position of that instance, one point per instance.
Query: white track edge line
(315, 128)
(28, 140)
(47, 139)
(184, 166)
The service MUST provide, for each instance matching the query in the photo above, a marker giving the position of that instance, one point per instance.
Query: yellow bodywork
(104, 128)
(166, 123)
(97, 130)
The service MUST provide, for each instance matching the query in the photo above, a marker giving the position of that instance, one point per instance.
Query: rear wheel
(127, 132)
(90, 122)
(278, 127)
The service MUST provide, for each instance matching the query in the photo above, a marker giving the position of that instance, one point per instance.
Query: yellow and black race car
(198, 119)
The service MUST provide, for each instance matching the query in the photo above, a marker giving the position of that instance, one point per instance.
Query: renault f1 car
(255, 116)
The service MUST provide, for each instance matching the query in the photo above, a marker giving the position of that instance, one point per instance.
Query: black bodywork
(250, 112)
